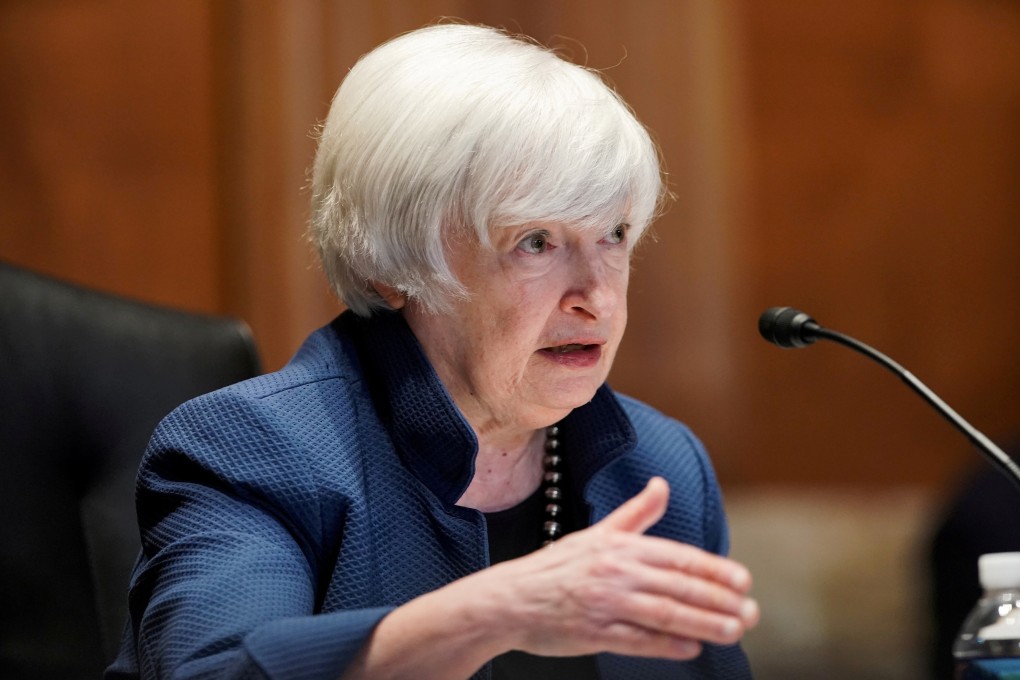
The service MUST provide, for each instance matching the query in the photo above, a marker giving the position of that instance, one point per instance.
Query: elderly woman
(379, 507)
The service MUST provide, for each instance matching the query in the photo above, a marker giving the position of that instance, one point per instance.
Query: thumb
(642, 511)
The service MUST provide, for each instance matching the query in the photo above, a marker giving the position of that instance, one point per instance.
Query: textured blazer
(283, 517)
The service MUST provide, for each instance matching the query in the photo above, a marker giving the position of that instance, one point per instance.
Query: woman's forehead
(595, 224)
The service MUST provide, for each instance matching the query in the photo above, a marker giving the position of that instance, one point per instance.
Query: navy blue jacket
(283, 517)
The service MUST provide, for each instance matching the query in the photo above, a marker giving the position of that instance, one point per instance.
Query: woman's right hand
(611, 588)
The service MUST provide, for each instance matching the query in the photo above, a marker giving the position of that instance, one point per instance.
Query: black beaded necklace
(552, 528)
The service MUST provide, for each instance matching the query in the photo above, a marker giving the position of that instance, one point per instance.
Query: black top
(515, 532)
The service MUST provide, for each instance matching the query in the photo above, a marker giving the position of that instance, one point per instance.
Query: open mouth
(563, 349)
(574, 355)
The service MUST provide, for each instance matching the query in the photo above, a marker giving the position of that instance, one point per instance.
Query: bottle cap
(999, 570)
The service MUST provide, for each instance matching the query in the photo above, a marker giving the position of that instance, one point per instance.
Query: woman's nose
(594, 288)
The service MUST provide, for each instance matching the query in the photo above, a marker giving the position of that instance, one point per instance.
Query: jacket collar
(431, 436)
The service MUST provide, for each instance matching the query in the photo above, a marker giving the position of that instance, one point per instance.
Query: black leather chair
(84, 379)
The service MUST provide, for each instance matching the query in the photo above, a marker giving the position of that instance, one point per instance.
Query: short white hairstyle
(456, 127)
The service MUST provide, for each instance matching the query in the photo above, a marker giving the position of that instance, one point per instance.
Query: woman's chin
(570, 396)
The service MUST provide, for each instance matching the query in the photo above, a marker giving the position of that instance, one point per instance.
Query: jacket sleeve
(235, 543)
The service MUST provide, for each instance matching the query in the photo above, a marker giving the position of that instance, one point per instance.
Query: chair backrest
(84, 379)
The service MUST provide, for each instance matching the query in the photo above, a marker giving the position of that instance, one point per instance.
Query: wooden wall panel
(269, 99)
(107, 164)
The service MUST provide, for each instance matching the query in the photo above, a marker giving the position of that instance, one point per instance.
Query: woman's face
(538, 334)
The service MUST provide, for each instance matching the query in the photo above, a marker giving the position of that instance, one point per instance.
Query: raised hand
(611, 588)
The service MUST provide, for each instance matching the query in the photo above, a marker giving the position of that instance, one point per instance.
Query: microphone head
(787, 327)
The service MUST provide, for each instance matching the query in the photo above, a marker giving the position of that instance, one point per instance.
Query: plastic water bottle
(988, 645)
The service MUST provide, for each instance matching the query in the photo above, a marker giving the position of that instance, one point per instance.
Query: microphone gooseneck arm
(805, 330)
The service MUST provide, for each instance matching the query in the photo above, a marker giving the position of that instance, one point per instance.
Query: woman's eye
(618, 234)
(534, 243)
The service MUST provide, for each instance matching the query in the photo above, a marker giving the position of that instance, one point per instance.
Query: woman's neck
(505, 473)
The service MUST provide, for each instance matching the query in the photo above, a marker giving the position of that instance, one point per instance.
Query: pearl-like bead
(552, 529)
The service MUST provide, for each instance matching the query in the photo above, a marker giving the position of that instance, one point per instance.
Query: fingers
(622, 638)
(640, 640)
(642, 511)
(667, 554)
(667, 602)
(692, 590)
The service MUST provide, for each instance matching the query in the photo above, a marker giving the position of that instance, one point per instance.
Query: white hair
(455, 127)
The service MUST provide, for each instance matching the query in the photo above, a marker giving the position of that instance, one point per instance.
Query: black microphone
(787, 327)
(791, 329)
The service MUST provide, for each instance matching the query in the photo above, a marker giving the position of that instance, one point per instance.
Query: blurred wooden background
(859, 160)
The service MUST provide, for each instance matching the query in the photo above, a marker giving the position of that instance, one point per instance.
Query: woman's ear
(394, 298)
